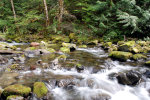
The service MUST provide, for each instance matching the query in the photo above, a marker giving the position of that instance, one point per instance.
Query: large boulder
(129, 78)
(126, 46)
(120, 55)
(40, 89)
(139, 56)
(16, 89)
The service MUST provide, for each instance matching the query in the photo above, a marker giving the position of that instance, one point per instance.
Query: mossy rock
(30, 49)
(142, 43)
(113, 48)
(126, 46)
(93, 42)
(65, 50)
(120, 55)
(40, 89)
(15, 67)
(16, 89)
(147, 63)
(51, 50)
(66, 39)
(62, 57)
(69, 45)
(82, 46)
(72, 36)
(15, 97)
(137, 49)
(146, 49)
(139, 56)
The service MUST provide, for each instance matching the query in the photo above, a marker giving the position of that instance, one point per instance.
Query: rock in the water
(16, 89)
(79, 67)
(15, 97)
(65, 50)
(82, 46)
(129, 78)
(72, 47)
(3, 60)
(40, 89)
(120, 55)
(34, 44)
(139, 56)
(147, 63)
(147, 73)
(126, 46)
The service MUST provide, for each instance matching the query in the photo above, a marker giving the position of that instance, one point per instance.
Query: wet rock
(120, 55)
(16, 89)
(147, 63)
(147, 73)
(142, 43)
(34, 44)
(72, 36)
(3, 60)
(106, 45)
(126, 46)
(15, 67)
(129, 78)
(65, 50)
(33, 67)
(139, 56)
(62, 57)
(40, 89)
(82, 46)
(8, 76)
(79, 67)
(15, 97)
(72, 47)
(113, 48)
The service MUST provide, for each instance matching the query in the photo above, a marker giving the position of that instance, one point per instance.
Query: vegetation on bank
(38, 19)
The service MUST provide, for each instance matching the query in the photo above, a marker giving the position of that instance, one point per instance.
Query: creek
(96, 82)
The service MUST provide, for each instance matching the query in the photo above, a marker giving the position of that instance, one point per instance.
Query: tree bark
(13, 9)
(61, 11)
(46, 13)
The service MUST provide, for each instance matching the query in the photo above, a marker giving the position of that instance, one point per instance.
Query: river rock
(93, 42)
(15, 97)
(40, 89)
(106, 45)
(120, 55)
(1, 90)
(34, 44)
(16, 89)
(126, 46)
(65, 50)
(147, 73)
(129, 78)
(147, 63)
(139, 56)
(79, 67)
(82, 46)
(3, 60)
(72, 47)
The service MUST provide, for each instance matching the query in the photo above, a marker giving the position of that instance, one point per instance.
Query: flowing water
(93, 83)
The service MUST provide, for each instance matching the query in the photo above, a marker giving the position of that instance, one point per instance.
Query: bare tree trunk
(13, 8)
(61, 11)
(46, 12)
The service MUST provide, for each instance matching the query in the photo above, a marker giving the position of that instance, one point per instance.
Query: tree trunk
(61, 11)
(13, 9)
(46, 13)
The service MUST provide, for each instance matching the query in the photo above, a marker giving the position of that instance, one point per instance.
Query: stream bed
(96, 81)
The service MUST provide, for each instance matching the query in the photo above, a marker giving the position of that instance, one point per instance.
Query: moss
(69, 45)
(93, 42)
(82, 46)
(139, 56)
(14, 97)
(14, 66)
(141, 43)
(66, 39)
(40, 89)
(1, 90)
(16, 89)
(51, 50)
(62, 57)
(147, 63)
(72, 36)
(123, 56)
(32, 48)
(64, 49)
(127, 46)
